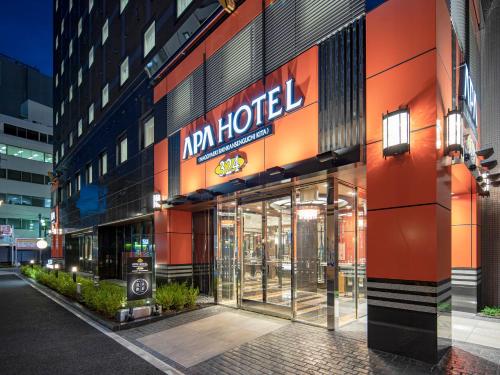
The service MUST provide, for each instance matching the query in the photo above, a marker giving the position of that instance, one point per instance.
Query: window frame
(119, 153)
(151, 27)
(122, 79)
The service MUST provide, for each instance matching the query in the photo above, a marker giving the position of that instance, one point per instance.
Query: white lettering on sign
(241, 121)
(468, 95)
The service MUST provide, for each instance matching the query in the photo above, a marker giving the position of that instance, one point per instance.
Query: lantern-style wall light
(157, 203)
(396, 132)
(454, 132)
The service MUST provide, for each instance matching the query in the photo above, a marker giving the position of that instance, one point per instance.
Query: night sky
(26, 32)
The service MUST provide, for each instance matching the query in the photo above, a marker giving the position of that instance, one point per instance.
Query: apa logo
(230, 165)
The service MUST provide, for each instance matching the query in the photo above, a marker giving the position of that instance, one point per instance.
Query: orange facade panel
(399, 30)
(405, 243)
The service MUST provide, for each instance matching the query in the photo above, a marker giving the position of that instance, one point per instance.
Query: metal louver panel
(174, 164)
(280, 34)
(342, 90)
(185, 102)
(458, 20)
(236, 65)
(474, 58)
(317, 19)
(161, 118)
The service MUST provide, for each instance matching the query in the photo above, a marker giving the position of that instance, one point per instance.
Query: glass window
(149, 39)
(80, 127)
(28, 201)
(3, 149)
(32, 135)
(91, 56)
(80, 26)
(105, 31)
(103, 164)
(3, 173)
(50, 139)
(70, 5)
(62, 67)
(123, 4)
(26, 177)
(124, 71)
(43, 137)
(182, 5)
(57, 79)
(122, 150)
(88, 174)
(105, 95)
(48, 158)
(47, 202)
(68, 189)
(91, 5)
(57, 41)
(57, 5)
(57, 156)
(78, 182)
(80, 76)
(10, 129)
(62, 26)
(16, 223)
(37, 202)
(15, 151)
(148, 132)
(62, 108)
(70, 93)
(14, 175)
(57, 118)
(70, 48)
(91, 114)
(21, 132)
(37, 156)
(62, 150)
(14, 199)
(38, 178)
(70, 139)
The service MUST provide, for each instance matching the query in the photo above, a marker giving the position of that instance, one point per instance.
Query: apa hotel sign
(235, 129)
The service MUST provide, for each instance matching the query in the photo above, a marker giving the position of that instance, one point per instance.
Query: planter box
(137, 313)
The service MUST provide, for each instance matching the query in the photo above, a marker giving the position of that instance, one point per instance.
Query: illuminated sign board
(234, 131)
(468, 98)
(230, 165)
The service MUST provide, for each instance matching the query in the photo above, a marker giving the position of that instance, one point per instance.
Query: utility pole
(40, 236)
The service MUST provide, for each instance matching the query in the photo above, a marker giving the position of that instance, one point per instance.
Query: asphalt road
(37, 336)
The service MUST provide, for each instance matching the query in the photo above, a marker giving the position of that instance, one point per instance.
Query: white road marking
(148, 357)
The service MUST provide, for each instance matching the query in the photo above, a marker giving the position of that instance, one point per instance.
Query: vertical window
(80, 127)
(62, 67)
(56, 157)
(62, 108)
(122, 150)
(105, 95)
(91, 113)
(91, 5)
(123, 4)
(149, 39)
(68, 189)
(62, 150)
(148, 132)
(57, 79)
(57, 41)
(103, 164)
(78, 182)
(70, 139)
(182, 5)
(57, 118)
(57, 5)
(80, 27)
(124, 71)
(88, 174)
(70, 48)
(62, 26)
(105, 31)
(91, 56)
(70, 5)
(70, 94)
(80, 76)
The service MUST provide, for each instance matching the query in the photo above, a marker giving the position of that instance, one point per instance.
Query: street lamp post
(39, 236)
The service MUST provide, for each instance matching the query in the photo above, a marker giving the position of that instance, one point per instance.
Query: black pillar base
(408, 333)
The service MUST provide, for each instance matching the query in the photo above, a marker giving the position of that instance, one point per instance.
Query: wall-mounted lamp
(275, 171)
(454, 132)
(157, 201)
(396, 132)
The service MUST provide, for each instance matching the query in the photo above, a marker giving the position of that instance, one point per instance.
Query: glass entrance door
(266, 243)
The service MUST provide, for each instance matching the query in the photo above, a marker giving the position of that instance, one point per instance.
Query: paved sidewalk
(287, 348)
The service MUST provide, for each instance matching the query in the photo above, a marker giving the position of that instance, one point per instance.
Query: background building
(25, 157)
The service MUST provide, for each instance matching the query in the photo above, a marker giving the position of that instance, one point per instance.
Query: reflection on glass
(227, 254)
(253, 257)
(310, 254)
(361, 254)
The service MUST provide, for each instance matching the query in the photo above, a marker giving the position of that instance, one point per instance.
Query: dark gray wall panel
(174, 164)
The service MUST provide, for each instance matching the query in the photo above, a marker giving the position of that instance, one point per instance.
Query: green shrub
(105, 299)
(491, 311)
(176, 296)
